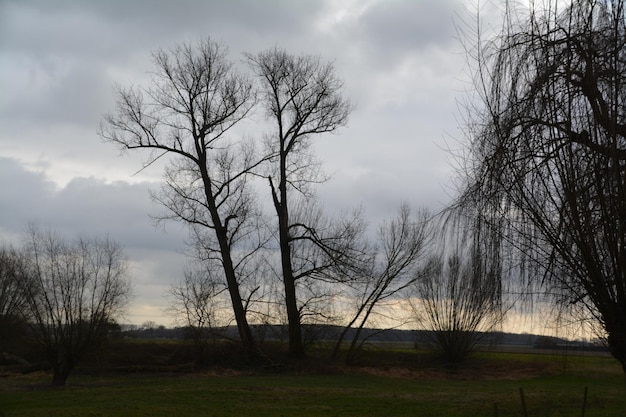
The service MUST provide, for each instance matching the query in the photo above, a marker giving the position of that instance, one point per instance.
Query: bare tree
(73, 292)
(195, 99)
(387, 271)
(324, 252)
(12, 297)
(547, 151)
(323, 259)
(195, 301)
(457, 302)
(302, 98)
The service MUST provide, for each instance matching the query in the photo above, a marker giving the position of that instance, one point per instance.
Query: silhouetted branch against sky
(400, 62)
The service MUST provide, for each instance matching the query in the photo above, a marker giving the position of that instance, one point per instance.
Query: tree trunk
(354, 345)
(616, 340)
(60, 377)
(245, 334)
(61, 371)
(296, 347)
(339, 342)
(342, 336)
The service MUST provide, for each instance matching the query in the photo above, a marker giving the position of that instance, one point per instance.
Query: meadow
(408, 383)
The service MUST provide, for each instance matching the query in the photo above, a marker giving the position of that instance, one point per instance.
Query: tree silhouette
(195, 99)
(302, 98)
(546, 165)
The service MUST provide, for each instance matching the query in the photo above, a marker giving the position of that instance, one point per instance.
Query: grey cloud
(22, 194)
(59, 56)
(71, 93)
(387, 32)
(408, 23)
(88, 208)
(85, 207)
(381, 192)
(116, 26)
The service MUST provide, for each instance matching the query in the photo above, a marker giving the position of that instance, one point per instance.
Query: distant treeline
(329, 334)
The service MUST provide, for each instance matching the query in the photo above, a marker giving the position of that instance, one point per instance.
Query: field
(391, 383)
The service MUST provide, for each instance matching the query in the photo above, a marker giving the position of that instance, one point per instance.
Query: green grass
(357, 393)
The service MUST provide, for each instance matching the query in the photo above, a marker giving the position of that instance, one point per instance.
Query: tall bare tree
(390, 268)
(547, 151)
(195, 100)
(73, 292)
(302, 98)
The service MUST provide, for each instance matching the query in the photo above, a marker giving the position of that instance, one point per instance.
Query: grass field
(552, 386)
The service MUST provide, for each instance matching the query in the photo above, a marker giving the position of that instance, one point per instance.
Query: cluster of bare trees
(63, 294)
(196, 98)
(190, 113)
(542, 205)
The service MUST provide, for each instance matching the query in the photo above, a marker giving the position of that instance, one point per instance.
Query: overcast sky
(401, 62)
